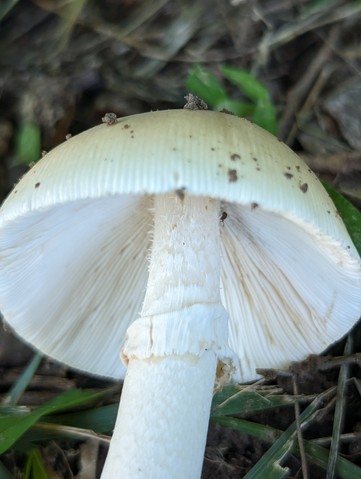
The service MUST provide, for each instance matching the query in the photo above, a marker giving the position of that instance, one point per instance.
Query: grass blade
(34, 467)
(22, 383)
(13, 427)
(205, 85)
(349, 214)
(235, 400)
(339, 413)
(315, 453)
(4, 472)
(270, 464)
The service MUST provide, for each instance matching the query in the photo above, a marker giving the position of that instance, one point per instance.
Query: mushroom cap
(74, 240)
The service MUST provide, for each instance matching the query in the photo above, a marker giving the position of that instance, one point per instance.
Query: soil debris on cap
(180, 192)
(232, 175)
(109, 119)
(194, 103)
(304, 187)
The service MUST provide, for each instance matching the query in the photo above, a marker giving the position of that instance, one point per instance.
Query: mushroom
(248, 265)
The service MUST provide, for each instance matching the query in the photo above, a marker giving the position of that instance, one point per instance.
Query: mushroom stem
(171, 350)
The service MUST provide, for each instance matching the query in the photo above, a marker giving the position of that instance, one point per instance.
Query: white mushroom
(241, 226)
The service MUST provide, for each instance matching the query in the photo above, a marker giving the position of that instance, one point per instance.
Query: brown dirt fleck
(304, 187)
(232, 175)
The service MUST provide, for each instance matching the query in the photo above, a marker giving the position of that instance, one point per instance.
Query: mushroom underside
(279, 282)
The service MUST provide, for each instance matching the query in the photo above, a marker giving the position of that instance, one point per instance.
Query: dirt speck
(288, 175)
(223, 217)
(304, 187)
(109, 119)
(254, 206)
(194, 103)
(180, 192)
(37, 185)
(235, 157)
(126, 126)
(232, 175)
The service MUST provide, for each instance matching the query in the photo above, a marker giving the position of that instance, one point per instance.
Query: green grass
(28, 142)
(255, 101)
(76, 415)
(238, 401)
